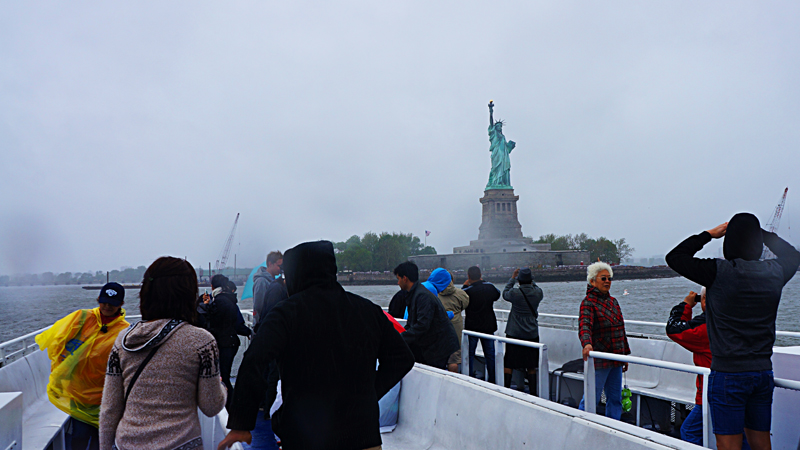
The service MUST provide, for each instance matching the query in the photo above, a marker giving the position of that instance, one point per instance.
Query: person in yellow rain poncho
(78, 346)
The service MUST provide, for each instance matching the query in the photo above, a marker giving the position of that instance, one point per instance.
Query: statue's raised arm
(491, 112)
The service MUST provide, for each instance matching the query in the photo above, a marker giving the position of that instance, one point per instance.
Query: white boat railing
(589, 381)
(590, 400)
(543, 378)
(661, 325)
(26, 344)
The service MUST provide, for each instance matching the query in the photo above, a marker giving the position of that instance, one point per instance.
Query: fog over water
(132, 130)
(27, 309)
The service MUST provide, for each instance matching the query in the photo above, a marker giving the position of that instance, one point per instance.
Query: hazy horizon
(132, 131)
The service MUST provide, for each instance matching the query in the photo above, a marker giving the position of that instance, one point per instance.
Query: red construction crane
(774, 223)
(222, 260)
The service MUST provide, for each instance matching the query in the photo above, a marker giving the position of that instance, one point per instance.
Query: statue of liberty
(500, 176)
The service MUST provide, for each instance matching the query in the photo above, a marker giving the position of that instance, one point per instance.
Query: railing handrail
(651, 362)
(787, 384)
(589, 394)
(507, 340)
(543, 378)
(793, 334)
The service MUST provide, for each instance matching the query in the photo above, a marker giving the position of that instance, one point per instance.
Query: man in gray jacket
(522, 324)
(261, 282)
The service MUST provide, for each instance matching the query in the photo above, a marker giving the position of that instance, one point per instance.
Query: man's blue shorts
(740, 400)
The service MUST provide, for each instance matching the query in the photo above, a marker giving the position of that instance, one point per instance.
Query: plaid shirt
(602, 326)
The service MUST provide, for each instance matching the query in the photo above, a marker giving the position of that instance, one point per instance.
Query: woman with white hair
(602, 329)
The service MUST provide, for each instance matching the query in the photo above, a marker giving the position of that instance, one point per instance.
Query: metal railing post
(465, 368)
(499, 351)
(544, 374)
(706, 418)
(589, 400)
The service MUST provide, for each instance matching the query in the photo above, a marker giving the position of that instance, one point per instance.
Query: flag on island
(427, 233)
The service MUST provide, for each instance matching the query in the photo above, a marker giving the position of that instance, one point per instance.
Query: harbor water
(29, 308)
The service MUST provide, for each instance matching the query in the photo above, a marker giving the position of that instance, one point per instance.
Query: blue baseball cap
(112, 293)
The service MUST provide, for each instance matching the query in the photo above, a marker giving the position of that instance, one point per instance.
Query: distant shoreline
(548, 275)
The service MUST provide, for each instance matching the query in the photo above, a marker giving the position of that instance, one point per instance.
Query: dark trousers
(488, 353)
(81, 436)
(226, 356)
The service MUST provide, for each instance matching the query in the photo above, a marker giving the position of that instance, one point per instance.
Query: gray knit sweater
(182, 376)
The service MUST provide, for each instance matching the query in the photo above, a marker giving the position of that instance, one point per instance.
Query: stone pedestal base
(500, 230)
(499, 220)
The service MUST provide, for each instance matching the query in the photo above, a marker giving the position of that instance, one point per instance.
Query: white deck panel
(441, 410)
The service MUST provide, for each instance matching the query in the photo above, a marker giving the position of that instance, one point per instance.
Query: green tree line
(602, 248)
(378, 252)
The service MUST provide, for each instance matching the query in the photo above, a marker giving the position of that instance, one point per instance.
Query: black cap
(112, 293)
(525, 276)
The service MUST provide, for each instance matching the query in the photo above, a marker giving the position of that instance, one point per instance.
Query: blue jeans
(488, 353)
(692, 428)
(263, 437)
(611, 380)
(740, 400)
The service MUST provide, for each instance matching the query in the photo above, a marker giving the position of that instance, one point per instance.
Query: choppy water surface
(27, 309)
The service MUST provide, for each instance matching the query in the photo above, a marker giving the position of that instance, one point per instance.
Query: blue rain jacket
(437, 282)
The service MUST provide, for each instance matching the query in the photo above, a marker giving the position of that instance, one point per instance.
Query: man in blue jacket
(741, 306)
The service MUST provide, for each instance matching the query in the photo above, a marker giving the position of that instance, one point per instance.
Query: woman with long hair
(162, 369)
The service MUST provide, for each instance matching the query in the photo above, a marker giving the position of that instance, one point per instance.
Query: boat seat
(442, 410)
(42, 422)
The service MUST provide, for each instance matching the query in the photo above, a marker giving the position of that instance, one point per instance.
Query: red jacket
(692, 335)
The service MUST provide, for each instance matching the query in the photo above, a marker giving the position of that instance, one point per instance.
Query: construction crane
(774, 223)
(222, 260)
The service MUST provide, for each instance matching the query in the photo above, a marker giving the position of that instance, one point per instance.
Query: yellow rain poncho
(78, 351)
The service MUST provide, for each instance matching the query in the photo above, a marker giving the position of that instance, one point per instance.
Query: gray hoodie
(261, 281)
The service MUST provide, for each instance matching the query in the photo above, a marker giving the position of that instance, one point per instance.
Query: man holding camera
(692, 334)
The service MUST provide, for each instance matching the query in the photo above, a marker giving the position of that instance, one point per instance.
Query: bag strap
(136, 375)
(533, 311)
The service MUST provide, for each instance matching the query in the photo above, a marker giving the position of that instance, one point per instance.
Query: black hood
(743, 238)
(308, 264)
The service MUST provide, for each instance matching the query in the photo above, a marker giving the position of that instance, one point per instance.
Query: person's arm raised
(681, 258)
(788, 256)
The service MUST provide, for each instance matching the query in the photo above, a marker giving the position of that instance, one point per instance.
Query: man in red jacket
(691, 334)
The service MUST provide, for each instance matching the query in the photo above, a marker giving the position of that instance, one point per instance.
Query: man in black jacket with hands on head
(741, 307)
(331, 403)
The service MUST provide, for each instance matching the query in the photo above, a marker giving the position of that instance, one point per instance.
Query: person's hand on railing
(588, 348)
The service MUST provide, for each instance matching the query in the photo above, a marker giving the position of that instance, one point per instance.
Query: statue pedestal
(499, 220)
(500, 230)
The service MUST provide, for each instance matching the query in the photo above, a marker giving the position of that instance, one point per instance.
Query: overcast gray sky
(134, 130)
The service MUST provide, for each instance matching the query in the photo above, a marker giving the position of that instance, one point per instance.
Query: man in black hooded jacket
(741, 306)
(429, 332)
(331, 403)
(222, 321)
